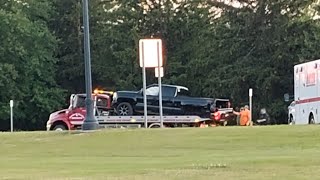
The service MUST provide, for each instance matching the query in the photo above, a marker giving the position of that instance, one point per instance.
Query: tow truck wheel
(291, 122)
(311, 119)
(59, 127)
(155, 125)
(124, 109)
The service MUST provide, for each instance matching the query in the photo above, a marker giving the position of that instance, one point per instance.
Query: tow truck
(72, 118)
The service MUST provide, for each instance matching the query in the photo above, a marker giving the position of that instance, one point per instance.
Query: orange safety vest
(244, 117)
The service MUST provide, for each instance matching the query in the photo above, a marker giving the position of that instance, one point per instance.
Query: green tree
(257, 47)
(66, 24)
(27, 64)
(215, 49)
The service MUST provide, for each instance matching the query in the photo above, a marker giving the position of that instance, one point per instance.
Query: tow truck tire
(311, 119)
(124, 109)
(59, 127)
(155, 125)
(291, 121)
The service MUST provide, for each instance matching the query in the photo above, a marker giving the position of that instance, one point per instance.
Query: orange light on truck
(97, 91)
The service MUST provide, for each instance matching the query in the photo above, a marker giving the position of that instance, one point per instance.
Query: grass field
(275, 152)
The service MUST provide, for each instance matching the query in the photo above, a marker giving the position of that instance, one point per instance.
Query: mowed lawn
(273, 152)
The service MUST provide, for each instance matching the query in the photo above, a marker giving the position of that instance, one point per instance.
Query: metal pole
(250, 105)
(160, 88)
(11, 119)
(11, 115)
(250, 111)
(144, 89)
(90, 122)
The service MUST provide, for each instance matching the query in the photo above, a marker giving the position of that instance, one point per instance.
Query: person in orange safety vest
(244, 116)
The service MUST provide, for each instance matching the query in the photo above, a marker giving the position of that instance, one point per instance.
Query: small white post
(11, 115)
(250, 105)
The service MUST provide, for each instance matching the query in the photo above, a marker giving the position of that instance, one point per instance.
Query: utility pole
(90, 122)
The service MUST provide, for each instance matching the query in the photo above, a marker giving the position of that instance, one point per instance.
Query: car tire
(124, 109)
(59, 127)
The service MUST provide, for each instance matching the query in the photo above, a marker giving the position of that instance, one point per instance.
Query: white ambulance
(307, 93)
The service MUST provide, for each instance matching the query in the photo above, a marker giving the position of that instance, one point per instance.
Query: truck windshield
(80, 101)
(222, 104)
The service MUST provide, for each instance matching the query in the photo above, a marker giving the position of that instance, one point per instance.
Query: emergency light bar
(97, 91)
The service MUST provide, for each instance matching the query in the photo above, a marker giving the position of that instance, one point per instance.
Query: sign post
(159, 74)
(150, 53)
(145, 110)
(250, 105)
(11, 115)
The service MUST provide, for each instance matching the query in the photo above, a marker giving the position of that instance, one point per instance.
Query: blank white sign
(150, 52)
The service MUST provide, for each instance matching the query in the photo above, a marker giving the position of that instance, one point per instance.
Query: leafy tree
(66, 24)
(258, 46)
(214, 48)
(27, 64)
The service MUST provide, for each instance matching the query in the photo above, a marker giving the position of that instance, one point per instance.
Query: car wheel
(59, 128)
(124, 109)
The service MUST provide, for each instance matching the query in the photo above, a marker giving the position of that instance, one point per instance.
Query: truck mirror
(286, 97)
(71, 101)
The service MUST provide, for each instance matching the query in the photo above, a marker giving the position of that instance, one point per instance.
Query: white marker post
(11, 115)
(150, 53)
(250, 105)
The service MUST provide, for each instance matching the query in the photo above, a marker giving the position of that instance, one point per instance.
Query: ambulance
(306, 93)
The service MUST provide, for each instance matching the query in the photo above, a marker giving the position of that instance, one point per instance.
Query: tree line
(214, 48)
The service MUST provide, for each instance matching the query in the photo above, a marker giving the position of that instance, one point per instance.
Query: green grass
(275, 152)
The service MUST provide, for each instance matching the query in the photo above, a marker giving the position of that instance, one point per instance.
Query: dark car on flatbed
(176, 100)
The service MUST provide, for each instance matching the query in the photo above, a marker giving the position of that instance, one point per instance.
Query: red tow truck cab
(72, 118)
